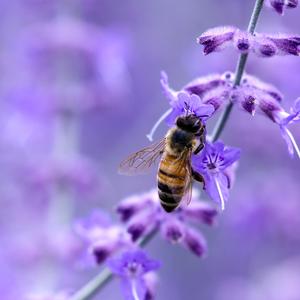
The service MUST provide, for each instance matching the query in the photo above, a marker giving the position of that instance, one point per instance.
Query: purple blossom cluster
(214, 92)
(143, 214)
(110, 243)
(262, 45)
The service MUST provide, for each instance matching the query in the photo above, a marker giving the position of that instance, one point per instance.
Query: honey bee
(175, 173)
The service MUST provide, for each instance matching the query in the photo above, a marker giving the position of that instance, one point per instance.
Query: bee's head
(189, 123)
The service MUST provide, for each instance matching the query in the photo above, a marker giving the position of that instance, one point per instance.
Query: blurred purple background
(80, 90)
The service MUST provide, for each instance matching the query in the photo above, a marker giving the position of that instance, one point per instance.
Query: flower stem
(105, 276)
(239, 72)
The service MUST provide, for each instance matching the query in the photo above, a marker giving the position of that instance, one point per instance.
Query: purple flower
(253, 94)
(216, 39)
(132, 268)
(182, 102)
(149, 215)
(280, 5)
(202, 85)
(213, 163)
(103, 238)
(189, 104)
(286, 44)
(263, 45)
(242, 40)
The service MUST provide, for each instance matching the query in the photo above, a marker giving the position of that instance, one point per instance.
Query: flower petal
(242, 41)
(141, 224)
(286, 44)
(173, 230)
(245, 98)
(170, 94)
(290, 141)
(200, 212)
(195, 242)
(217, 187)
(216, 39)
(264, 47)
(202, 85)
(232, 155)
(217, 97)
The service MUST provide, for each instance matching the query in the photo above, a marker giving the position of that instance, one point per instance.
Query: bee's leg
(198, 177)
(201, 135)
(199, 148)
(201, 145)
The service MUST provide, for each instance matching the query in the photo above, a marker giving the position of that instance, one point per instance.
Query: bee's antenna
(187, 108)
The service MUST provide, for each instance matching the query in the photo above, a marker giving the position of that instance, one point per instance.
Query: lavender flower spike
(214, 163)
(132, 267)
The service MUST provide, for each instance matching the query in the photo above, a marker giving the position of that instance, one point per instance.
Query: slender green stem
(104, 277)
(238, 73)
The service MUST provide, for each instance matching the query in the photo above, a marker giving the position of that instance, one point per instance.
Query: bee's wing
(141, 161)
(187, 197)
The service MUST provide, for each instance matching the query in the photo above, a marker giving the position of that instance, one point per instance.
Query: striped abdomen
(171, 181)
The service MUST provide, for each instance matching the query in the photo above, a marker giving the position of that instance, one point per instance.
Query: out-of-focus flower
(103, 238)
(280, 5)
(79, 65)
(264, 45)
(214, 163)
(146, 215)
(132, 268)
(275, 214)
(279, 282)
(78, 173)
